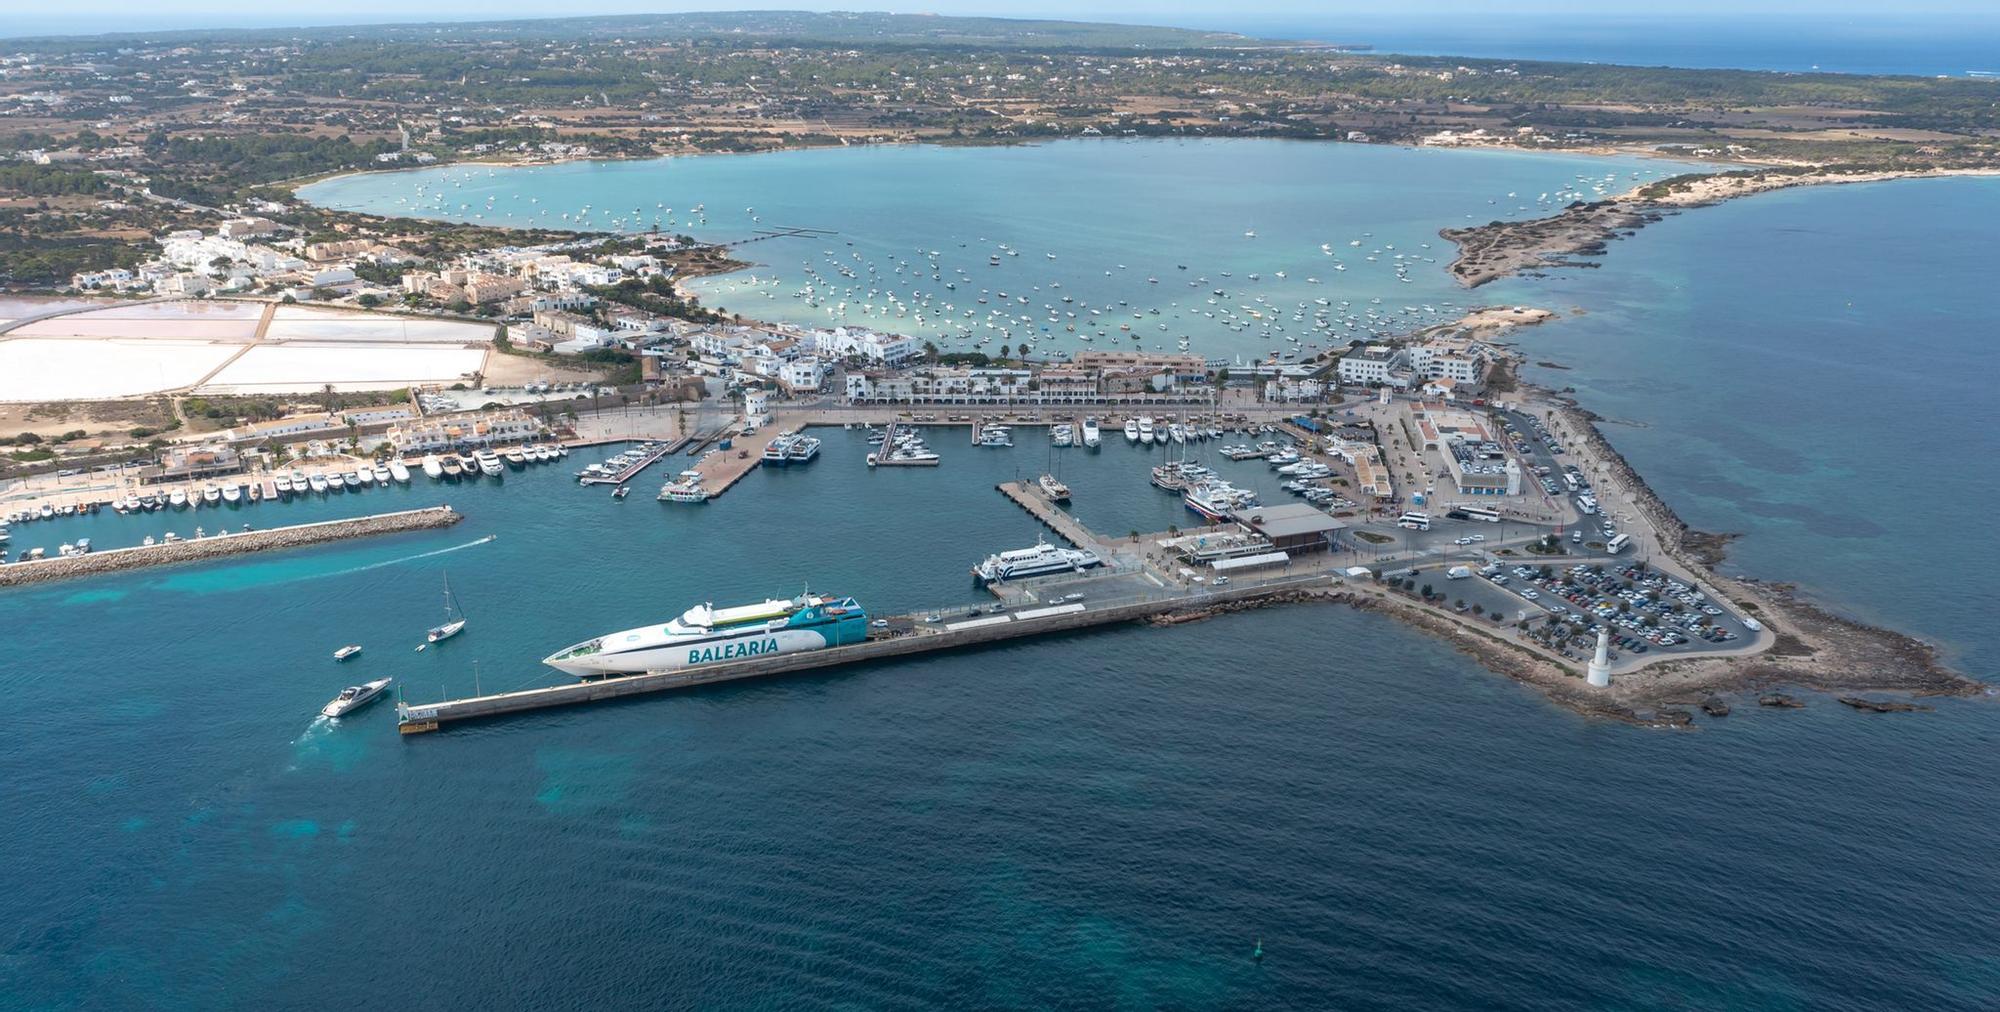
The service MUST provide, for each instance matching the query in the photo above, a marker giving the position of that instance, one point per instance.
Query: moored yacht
(1090, 433)
(489, 463)
(399, 471)
(448, 466)
(1146, 429)
(1131, 430)
(433, 468)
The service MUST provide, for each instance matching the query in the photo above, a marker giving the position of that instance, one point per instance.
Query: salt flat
(291, 368)
(372, 327)
(49, 369)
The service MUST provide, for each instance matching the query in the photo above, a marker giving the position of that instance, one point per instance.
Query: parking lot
(1646, 610)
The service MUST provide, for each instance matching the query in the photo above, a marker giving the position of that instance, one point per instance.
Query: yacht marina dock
(632, 470)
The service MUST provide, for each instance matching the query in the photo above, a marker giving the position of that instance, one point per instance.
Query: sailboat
(454, 620)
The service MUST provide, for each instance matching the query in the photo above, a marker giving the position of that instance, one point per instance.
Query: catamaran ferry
(1040, 560)
(705, 634)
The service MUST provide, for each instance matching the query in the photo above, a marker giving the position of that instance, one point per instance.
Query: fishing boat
(454, 620)
(354, 697)
(347, 651)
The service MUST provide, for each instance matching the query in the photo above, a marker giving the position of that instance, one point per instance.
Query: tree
(368, 300)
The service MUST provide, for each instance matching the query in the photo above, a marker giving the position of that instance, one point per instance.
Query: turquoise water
(1097, 820)
(1121, 219)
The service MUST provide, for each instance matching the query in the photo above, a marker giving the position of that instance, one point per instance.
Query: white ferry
(1040, 560)
(705, 634)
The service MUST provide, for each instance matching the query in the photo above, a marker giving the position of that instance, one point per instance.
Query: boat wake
(412, 558)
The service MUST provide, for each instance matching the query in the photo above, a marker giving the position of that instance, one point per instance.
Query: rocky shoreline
(1498, 249)
(217, 546)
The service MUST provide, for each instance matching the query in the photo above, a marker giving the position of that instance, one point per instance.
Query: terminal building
(1293, 528)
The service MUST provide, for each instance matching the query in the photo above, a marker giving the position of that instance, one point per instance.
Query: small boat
(621, 491)
(354, 697)
(347, 651)
(516, 458)
(317, 483)
(382, 475)
(454, 620)
(449, 466)
(211, 494)
(366, 476)
(1054, 489)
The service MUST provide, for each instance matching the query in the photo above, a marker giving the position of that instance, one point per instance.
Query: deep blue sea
(1915, 42)
(1112, 819)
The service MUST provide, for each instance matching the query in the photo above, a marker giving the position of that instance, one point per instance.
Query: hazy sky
(24, 16)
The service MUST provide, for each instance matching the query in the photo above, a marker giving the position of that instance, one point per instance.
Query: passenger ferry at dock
(791, 448)
(1040, 560)
(705, 634)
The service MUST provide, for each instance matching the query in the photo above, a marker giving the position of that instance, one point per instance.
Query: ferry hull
(743, 646)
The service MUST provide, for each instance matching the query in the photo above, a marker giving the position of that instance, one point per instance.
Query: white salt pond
(51, 369)
(294, 368)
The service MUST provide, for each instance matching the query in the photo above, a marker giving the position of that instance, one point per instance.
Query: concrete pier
(907, 635)
(225, 543)
(1029, 496)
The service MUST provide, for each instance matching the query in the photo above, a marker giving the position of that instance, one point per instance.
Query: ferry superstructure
(705, 634)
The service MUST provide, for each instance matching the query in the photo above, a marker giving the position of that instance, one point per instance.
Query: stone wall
(196, 550)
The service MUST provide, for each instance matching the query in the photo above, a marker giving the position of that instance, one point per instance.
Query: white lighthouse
(1600, 665)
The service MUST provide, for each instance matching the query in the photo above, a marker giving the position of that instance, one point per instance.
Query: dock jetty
(907, 635)
(224, 543)
(632, 470)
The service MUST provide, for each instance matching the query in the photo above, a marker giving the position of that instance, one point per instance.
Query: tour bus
(1617, 544)
(1587, 505)
(1569, 478)
(1415, 521)
(1491, 516)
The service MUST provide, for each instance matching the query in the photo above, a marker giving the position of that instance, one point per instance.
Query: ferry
(353, 698)
(1040, 560)
(705, 634)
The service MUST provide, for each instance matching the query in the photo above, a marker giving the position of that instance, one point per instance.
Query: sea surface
(1153, 237)
(1110, 819)
(1924, 43)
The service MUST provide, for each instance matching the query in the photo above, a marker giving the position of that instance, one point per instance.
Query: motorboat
(433, 468)
(366, 476)
(1131, 430)
(516, 458)
(448, 466)
(400, 472)
(489, 463)
(382, 475)
(232, 494)
(347, 651)
(468, 464)
(354, 697)
(178, 498)
(318, 483)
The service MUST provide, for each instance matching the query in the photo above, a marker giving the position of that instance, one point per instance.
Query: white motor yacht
(354, 697)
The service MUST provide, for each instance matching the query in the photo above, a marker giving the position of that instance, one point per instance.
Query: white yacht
(1146, 429)
(454, 620)
(283, 483)
(400, 472)
(232, 493)
(382, 475)
(354, 697)
(489, 463)
(433, 468)
(1090, 434)
(1131, 430)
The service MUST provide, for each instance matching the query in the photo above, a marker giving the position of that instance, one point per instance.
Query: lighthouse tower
(1600, 665)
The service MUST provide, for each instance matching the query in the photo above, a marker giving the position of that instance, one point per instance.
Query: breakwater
(221, 544)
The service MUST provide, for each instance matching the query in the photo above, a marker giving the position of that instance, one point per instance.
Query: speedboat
(433, 468)
(516, 458)
(449, 466)
(347, 651)
(354, 697)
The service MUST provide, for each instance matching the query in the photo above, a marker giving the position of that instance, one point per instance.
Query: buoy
(1259, 954)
